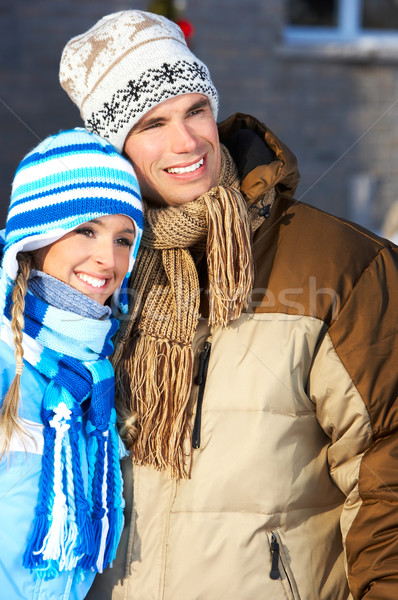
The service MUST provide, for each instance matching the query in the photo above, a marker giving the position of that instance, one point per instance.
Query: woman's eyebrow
(99, 222)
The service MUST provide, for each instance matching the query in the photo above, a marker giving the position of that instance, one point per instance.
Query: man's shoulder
(300, 248)
(311, 229)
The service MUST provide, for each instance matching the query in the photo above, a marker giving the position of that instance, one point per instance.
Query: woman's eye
(124, 242)
(85, 231)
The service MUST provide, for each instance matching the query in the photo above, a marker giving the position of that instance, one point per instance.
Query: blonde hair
(10, 423)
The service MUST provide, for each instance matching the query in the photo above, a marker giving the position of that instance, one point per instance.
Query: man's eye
(152, 126)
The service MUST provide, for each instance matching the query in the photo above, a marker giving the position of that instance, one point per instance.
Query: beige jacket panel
(199, 539)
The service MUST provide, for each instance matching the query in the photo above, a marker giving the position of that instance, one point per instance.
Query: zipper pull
(274, 574)
(203, 357)
(200, 381)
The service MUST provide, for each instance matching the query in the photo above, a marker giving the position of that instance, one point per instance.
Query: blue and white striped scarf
(73, 529)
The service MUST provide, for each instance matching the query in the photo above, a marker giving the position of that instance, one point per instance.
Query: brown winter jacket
(295, 470)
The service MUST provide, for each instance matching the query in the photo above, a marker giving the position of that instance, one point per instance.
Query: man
(259, 366)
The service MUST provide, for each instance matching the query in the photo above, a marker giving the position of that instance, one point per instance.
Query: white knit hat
(125, 65)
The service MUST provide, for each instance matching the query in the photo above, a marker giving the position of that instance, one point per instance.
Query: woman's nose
(105, 254)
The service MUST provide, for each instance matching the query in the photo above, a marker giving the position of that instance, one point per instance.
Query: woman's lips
(95, 282)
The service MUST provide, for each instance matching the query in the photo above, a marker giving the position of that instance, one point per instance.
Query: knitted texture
(126, 64)
(68, 179)
(72, 528)
(154, 361)
(60, 294)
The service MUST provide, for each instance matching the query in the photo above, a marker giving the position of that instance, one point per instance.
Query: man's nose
(182, 139)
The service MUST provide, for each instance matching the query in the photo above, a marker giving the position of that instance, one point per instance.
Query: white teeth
(179, 170)
(91, 280)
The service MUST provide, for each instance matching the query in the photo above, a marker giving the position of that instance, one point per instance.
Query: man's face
(175, 150)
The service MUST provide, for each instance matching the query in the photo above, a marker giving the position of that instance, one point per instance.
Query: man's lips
(188, 169)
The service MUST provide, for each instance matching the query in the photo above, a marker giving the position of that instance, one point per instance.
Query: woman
(72, 234)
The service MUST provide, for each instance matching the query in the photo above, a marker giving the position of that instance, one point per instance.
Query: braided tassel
(115, 500)
(53, 547)
(102, 525)
(32, 559)
(97, 495)
(85, 541)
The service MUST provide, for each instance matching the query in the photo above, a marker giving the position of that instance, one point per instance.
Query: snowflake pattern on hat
(125, 65)
(153, 87)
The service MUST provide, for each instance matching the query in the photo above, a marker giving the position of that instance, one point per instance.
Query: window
(312, 13)
(380, 15)
(324, 21)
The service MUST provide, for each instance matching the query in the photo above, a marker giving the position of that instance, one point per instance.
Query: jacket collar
(262, 159)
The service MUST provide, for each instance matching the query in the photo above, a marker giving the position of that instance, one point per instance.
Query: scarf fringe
(68, 530)
(33, 558)
(230, 265)
(114, 498)
(155, 378)
(161, 403)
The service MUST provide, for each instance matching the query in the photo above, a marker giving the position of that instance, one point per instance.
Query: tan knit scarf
(154, 358)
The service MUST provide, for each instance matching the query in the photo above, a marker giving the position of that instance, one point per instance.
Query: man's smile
(188, 169)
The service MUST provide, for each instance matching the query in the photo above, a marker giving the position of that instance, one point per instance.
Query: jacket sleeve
(354, 384)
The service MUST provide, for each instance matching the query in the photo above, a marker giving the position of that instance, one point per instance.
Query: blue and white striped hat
(68, 179)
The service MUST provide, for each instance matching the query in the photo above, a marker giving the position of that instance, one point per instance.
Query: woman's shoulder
(33, 384)
(7, 366)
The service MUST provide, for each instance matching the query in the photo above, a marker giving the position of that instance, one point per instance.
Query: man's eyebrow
(147, 122)
(202, 103)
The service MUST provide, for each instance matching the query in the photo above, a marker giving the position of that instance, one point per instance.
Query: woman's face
(93, 258)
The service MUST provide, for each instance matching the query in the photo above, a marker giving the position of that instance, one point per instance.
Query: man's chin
(177, 199)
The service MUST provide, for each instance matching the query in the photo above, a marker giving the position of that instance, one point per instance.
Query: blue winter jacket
(19, 489)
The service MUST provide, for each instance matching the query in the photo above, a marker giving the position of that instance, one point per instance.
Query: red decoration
(187, 29)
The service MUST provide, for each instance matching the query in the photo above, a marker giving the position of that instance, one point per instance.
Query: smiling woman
(72, 234)
(93, 258)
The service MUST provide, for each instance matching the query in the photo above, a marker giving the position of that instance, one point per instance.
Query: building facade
(326, 84)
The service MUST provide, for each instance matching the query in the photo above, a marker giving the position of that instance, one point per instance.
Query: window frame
(347, 30)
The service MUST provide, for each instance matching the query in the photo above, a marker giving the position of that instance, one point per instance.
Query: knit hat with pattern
(126, 64)
(68, 179)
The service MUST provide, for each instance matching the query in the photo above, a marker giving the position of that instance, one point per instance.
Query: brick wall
(32, 102)
(338, 116)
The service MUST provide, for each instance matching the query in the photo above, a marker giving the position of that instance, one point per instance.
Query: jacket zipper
(200, 380)
(274, 573)
(280, 568)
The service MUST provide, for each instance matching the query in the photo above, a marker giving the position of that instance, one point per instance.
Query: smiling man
(257, 372)
(176, 150)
